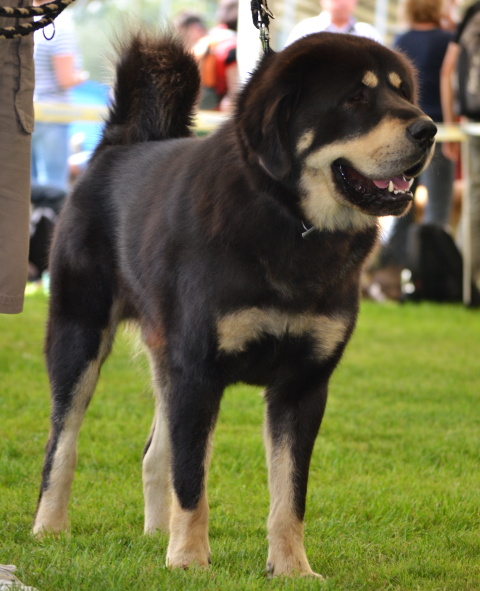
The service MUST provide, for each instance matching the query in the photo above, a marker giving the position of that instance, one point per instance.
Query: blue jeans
(50, 152)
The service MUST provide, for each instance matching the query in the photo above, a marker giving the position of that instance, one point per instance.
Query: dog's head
(336, 116)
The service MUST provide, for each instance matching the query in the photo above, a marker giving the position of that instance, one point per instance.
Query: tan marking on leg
(153, 337)
(305, 141)
(157, 487)
(395, 80)
(52, 512)
(286, 552)
(238, 329)
(188, 543)
(370, 79)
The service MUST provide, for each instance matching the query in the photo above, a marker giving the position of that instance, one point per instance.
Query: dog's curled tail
(156, 88)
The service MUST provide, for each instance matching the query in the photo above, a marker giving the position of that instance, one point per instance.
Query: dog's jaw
(325, 208)
(347, 184)
(391, 196)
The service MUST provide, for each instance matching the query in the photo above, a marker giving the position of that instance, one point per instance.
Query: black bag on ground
(46, 204)
(436, 266)
(42, 222)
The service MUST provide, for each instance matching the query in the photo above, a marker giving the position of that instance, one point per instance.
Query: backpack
(46, 202)
(214, 53)
(436, 266)
(42, 223)
(468, 69)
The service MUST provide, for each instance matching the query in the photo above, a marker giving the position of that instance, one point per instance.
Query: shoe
(9, 582)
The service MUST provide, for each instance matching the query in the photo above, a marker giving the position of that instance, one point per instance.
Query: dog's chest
(238, 330)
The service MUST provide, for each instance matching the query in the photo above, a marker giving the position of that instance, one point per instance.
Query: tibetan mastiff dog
(239, 257)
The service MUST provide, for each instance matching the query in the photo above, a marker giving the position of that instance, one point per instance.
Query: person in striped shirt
(57, 70)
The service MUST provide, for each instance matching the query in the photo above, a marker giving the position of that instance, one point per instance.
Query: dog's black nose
(423, 131)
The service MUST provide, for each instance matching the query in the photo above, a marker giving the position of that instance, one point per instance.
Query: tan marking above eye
(305, 141)
(395, 79)
(370, 79)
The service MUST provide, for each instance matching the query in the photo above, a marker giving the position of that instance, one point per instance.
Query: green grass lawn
(394, 494)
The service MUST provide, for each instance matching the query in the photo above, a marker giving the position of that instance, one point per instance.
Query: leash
(48, 12)
(261, 16)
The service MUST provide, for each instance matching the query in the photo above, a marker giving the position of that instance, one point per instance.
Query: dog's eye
(358, 97)
(405, 92)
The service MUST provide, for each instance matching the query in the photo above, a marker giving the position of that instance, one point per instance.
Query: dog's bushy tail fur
(156, 88)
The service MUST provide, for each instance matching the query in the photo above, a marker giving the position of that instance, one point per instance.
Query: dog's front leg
(192, 417)
(291, 426)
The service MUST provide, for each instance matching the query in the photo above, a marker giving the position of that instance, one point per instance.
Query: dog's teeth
(410, 183)
(390, 186)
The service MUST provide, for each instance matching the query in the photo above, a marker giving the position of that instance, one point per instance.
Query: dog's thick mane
(156, 88)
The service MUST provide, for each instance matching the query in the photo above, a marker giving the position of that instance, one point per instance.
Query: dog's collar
(308, 231)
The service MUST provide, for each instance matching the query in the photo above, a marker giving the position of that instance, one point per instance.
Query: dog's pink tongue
(399, 182)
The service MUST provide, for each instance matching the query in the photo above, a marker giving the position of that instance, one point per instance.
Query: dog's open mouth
(390, 196)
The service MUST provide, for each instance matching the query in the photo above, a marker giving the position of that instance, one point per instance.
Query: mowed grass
(394, 493)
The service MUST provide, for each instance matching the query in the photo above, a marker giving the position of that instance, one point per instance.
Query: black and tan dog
(239, 255)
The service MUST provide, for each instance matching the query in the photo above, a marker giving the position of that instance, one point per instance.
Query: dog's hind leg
(291, 426)
(193, 410)
(77, 345)
(157, 488)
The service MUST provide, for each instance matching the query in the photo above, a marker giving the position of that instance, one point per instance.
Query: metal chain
(261, 16)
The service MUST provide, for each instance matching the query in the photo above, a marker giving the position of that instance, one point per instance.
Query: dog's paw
(151, 529)
(51, 517)
(287, 570)
(40, 530)
(187, 558)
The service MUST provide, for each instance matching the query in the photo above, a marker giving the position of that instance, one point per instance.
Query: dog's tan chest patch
(239, 329)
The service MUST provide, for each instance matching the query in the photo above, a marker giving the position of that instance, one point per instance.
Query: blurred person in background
(470, 27)
(337, 16)
(57, 70)
(216, 53)
(425, 43)
(16, 126)
(190, 27)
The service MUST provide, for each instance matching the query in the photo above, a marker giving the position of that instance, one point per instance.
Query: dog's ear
(274, 150)
(265, 130)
